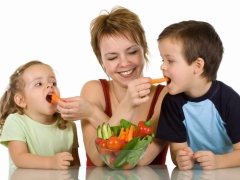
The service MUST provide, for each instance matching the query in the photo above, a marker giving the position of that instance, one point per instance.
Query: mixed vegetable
(126, 136)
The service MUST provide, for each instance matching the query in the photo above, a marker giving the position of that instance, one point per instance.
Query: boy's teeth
(127, 72)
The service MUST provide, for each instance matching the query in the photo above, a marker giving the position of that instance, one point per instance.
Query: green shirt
(41, 139)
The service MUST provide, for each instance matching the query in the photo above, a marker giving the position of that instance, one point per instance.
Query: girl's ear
(19, 100)
(198, 65)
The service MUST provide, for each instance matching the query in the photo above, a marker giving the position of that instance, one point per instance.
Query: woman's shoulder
(92, 84)
(93, 91)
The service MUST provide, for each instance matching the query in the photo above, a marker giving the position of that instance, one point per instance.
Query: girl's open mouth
(53, 98)
(49, 98)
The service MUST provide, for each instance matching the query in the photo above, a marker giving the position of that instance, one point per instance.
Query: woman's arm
(157, 145)
(92, 91)
(23, 159)
(152, 151)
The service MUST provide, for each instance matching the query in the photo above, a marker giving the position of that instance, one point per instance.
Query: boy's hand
(185, 159)
(206, 159)
(61, 160)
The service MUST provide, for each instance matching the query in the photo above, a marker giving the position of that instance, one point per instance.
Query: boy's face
(176, 67)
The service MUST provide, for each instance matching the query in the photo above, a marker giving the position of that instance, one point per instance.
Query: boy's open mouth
(168, 82)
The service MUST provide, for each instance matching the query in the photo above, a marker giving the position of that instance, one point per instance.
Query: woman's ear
(198, 65)
(19, 100)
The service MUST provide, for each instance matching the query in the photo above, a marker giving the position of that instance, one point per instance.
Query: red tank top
(161, 158)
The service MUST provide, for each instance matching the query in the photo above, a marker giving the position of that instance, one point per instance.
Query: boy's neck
(199, 89)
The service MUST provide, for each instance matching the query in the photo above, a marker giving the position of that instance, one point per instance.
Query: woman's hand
(75, 108)
(138, 91)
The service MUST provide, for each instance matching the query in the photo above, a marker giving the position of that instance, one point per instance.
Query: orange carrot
(127, 131)
(127, 166)
(55, 98)
(121, 134)
(159, 80)
(130, 133)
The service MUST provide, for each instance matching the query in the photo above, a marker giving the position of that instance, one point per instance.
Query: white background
(57, 33)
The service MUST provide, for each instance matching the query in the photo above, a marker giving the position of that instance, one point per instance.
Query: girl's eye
(54, 84)
(38, 84)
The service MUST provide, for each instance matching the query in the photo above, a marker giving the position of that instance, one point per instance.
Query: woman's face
(122, 58)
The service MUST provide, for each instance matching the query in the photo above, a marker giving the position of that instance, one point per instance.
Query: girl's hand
(61, 160)
(206, 159)
(75, 108)
(138, 91)
(185, 159)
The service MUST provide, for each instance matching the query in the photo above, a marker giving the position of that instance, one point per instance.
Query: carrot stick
(55, 98)
(121, 134)
(127, 131)
(130, 133)
(159, 80)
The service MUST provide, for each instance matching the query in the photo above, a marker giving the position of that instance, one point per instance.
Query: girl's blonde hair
(16, 85)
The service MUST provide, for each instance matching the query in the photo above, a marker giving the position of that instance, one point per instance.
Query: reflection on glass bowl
(121, 159)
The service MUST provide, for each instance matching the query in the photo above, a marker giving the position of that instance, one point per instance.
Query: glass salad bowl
(120, 159)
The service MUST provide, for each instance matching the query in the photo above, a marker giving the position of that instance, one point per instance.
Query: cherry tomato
(112, 159)
(98, 140)
(114, 143)
(103, 148)
(123, 144)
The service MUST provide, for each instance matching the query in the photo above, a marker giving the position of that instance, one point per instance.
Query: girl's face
(122, 59)
(176, 67)
(39, 81)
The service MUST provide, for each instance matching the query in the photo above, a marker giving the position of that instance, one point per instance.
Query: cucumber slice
(109, 131)
(104, 131)
(99, 132)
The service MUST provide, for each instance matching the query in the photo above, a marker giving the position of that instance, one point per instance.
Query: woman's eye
(170, 61)
(133, 52)
(111, 58)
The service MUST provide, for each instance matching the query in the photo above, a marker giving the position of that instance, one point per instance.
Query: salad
(122, 146)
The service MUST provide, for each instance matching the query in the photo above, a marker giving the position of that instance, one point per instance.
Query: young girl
(35, 134)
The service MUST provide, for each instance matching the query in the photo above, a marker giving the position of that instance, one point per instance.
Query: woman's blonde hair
(16, 85)
(119, 22)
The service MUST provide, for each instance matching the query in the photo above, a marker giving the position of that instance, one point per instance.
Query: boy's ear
(199, 64)
(19, 100)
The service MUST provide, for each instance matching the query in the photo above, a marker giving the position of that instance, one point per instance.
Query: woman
(119, 43)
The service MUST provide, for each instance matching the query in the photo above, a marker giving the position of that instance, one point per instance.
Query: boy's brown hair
(198, 39)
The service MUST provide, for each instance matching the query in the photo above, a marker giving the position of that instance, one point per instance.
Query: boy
(200, 116)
